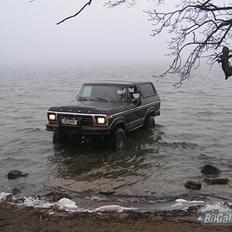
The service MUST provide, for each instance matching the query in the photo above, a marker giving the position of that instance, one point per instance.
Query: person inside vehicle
(134, 95)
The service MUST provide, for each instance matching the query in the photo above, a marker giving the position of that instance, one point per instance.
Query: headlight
(101, 120)
(51, 117)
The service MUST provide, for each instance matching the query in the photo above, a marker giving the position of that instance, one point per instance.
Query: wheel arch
(150, 112)
(118, 123)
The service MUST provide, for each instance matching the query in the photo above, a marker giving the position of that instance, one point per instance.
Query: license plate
(67, 121)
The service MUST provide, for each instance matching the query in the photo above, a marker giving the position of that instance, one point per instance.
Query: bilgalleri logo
(216, 218)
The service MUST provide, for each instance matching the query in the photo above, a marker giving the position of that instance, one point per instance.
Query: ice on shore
(182, 204)
(3, 196)
(67, 204)
(63, 203)
(36, 203)
(115, 208)
(218, 206)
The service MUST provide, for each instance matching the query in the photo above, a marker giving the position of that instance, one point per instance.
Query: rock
(195, 185)
(216, 180)
(210, 170)
(13, 174)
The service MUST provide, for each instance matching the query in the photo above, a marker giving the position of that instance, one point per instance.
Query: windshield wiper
(102, 98)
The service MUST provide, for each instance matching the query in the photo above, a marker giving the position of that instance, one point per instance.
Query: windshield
(103, 92)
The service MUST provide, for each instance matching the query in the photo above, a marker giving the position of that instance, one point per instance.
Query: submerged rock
(210, 170)
(195, 185)
(14, 174)
(15, 191)
(216, 180)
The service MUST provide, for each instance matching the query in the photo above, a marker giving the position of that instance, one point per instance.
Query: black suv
(106, 110)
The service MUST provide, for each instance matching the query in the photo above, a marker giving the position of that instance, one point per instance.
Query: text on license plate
(67, 121)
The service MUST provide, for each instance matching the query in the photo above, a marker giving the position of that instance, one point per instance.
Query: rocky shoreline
(17, 218)
(57, 213)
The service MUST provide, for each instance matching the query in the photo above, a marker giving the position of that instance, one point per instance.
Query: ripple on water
(194, 128)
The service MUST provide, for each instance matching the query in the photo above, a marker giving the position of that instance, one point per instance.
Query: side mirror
(77, 97)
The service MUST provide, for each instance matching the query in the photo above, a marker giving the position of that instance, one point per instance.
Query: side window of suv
(147, 90)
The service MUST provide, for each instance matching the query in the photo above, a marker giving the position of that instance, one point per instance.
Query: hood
(90, 107)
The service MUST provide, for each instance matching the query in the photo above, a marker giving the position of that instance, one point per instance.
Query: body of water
(194, 128)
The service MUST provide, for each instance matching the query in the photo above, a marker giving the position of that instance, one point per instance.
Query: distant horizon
(30, 35)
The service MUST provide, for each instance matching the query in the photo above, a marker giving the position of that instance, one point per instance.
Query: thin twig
(72, 16)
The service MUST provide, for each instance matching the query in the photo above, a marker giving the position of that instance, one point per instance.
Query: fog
(30, 36)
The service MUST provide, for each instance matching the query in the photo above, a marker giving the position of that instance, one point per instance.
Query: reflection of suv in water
(106, 110)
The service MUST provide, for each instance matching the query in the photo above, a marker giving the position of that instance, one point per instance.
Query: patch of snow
(96, 198)
(36, 203)
(182, 204)
(113, 208)
(67, 204)
(218, 207)
(189, 202)
(3, 196)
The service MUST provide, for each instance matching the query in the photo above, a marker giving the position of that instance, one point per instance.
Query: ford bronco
(106, 110)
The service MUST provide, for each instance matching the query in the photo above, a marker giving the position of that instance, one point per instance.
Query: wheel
(149, 122)
(117, 141)
(59, 137)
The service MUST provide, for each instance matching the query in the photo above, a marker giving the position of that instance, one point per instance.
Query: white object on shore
(36, 203)
(190, 202)
(4, 195)
(66, 204)
(115, 208)
(218, 206)
(182, 204)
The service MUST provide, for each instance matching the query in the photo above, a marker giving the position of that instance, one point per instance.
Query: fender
(120, 121)
(150, 111)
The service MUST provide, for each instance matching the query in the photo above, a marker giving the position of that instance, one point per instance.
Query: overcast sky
(29, 34)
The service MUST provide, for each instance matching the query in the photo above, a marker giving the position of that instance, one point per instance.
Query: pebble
(194, 185)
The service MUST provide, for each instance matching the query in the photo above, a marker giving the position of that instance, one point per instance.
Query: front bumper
(80, 130)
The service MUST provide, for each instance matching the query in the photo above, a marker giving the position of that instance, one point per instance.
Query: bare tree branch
(72, 16)
(197, 29)
(113, 3)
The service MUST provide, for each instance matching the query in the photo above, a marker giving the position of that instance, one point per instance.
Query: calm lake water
(195, 128)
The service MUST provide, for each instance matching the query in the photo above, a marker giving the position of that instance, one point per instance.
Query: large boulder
(210, 170)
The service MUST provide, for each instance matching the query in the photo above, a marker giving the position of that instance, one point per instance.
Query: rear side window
(147, 90)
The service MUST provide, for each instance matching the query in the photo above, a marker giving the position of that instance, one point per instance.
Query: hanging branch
(198, 29)
(72, 16)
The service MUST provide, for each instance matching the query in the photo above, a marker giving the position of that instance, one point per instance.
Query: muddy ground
(21, 219)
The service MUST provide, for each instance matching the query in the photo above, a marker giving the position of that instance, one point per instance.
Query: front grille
(83, 119)
(87, 121)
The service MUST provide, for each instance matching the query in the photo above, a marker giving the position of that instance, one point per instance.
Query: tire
(149, 122)
(59, 137)
(118, 140)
